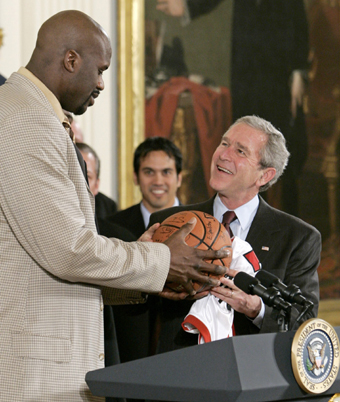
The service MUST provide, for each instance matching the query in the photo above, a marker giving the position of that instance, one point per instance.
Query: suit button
(101, 357)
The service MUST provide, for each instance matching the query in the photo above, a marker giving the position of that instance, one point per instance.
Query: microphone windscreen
(266, 278)
(245, 281)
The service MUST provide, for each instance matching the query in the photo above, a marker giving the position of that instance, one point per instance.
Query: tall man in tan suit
(55, 269)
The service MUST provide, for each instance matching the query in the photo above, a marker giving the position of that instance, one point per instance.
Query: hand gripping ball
(208, 234)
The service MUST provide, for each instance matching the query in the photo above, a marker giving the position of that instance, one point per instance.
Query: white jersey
(212, 318)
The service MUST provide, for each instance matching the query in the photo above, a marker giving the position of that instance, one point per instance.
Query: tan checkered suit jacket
(53, 265)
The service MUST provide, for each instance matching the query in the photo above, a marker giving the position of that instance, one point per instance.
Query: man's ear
(267, 174)
(72, 61)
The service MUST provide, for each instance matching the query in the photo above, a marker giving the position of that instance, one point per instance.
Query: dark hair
(88, 150)
(157, 144)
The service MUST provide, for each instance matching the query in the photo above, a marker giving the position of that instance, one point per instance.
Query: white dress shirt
(146, 214)
(245, 215)
(240, 228)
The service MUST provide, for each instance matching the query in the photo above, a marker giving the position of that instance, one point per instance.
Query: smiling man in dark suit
(157, 166)
(251, 157)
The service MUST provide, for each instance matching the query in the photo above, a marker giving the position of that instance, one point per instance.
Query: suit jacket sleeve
(301, 271)
(46, 202)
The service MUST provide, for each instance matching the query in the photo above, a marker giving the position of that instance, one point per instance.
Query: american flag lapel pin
(265, 248)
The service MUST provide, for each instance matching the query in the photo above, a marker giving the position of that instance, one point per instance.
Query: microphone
(291, 293)
(271, 296)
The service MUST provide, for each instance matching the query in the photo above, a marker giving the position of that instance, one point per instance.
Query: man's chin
(81, 110)
(159, 205)
(215, 185)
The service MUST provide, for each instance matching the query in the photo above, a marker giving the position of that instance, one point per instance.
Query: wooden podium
(240, 369)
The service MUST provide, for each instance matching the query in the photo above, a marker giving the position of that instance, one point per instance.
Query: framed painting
(143, 37)
(174, 81)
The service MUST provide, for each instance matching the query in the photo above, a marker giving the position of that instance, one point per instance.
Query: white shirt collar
(245, 213)
(146, 214)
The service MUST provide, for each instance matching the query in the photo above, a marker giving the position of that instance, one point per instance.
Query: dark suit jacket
(293, 255)
(130, 218)
(105, 206)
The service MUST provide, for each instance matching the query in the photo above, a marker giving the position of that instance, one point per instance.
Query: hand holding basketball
(191, 267)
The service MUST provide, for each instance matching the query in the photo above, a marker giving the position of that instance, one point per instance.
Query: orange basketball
(208, 234)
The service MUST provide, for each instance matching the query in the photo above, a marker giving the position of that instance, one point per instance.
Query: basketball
(208, 234)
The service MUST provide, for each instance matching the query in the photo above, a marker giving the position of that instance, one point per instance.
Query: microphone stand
(307, 306)
(282, 320)
(281, 312)
(283, 316)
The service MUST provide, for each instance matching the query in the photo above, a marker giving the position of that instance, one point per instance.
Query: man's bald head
(69, 44)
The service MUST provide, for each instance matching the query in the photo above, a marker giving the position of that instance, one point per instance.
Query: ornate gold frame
(131, 94)
(1, 37)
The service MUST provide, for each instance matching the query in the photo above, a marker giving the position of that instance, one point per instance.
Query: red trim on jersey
(253, 260)
(203, 330)
(190, 319)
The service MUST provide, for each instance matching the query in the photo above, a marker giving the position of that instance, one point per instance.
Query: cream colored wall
(21, 20)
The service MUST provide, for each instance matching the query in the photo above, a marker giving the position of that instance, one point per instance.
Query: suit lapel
(261, 233)
(206, 206)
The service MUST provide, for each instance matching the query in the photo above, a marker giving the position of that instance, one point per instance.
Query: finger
(198, 274)
(231, 272)
(203, 268)
(205, 280)
(223, 252)
(189, 288)
(183, 232)
(199, 295)
(147, 236)
(220, 292)
(228, 282)
(185, 229)
(171, 295)
(224, 294)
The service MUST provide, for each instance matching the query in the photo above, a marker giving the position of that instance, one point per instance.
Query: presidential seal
(315, 356)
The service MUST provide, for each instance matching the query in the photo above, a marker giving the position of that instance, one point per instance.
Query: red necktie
(228, 217)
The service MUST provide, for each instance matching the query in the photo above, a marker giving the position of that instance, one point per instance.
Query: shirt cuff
(257, 321)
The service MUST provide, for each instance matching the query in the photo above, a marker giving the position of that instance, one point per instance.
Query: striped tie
(228, 217)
